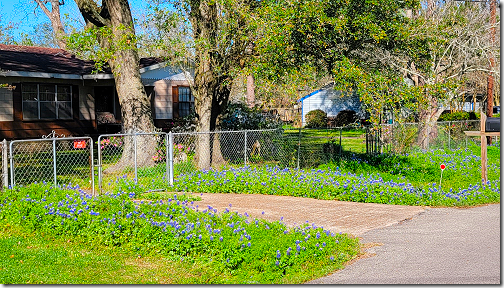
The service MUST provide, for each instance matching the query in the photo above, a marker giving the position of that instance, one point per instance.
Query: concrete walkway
(410, 244)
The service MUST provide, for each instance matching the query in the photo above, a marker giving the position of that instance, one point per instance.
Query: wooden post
(483, 136)
(484, 174)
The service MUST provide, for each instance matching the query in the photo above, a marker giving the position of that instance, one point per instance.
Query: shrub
(185, 124)
(345, 118)
(239, 116)
(316, 119)
(457, 116)
(331, 149)
(474, 115)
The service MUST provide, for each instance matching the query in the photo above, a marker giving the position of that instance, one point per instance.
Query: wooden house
(51, 89)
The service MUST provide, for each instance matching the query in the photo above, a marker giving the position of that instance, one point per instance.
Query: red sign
(79, 144)
(443, 166)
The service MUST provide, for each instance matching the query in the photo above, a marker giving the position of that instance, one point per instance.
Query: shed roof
(325, 87)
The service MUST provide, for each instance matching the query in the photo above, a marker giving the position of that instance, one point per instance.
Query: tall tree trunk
(210, 92)
(490, 81)
(203, 104)
(250, 91)
(135, 106)
(427, 122)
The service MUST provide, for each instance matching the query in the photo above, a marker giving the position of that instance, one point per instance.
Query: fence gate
(54, 160)
(140, 157)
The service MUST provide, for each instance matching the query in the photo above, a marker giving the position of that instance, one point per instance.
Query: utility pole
(490, 81)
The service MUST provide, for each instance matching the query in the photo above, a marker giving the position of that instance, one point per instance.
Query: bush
(316, 119)
(331, 150)
(185, 124)
(345, 118)
(458, 116)
(239, 116)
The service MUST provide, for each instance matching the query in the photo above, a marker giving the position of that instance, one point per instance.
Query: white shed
(330, 101)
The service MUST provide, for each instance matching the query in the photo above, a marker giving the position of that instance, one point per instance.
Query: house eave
(101, 76)
(39, 75)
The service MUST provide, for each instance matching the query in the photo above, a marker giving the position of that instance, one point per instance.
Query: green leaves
(86, 43)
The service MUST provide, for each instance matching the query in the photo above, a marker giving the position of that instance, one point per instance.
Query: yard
(136, 232)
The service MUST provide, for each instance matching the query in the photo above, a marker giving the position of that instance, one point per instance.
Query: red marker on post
(442, 169)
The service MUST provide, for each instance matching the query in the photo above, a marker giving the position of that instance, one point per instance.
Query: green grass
(30, 258)
(63, 236)
(390, 179)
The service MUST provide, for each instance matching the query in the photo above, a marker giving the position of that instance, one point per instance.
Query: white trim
(40, 75)
(98, 76)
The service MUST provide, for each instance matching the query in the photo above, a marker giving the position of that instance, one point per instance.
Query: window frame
(176, 101)
(69, 103)
(189, 102)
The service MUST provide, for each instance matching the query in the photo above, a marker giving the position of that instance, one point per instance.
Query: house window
(46, 101)
(185, 100)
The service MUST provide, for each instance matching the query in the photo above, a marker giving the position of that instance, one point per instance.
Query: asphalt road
(437, 246)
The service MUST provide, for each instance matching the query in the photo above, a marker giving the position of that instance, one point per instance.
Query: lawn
(412, 179)
(54, 235)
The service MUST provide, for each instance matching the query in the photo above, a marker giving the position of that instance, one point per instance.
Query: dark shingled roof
(51, 60)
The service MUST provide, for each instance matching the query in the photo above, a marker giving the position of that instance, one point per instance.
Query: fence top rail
(132, 134)
(459, 121)
(437, 122)
(51, 139)
(224, 131)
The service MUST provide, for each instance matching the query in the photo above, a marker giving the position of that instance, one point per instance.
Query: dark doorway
(108, 110)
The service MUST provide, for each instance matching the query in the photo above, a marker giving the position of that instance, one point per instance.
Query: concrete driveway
(438, 246)
(337, 216)
(409, 244)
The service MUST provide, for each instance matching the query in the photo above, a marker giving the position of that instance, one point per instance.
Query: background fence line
(71, 159)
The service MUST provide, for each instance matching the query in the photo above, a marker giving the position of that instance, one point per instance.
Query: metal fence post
(170, 154)
(135, 155)
(245, 148)
(11, 164)
(92, 166)
(167, 174)
(449, 135)
(5, 163)
(99, 164)
(299, 147)
(54, 161)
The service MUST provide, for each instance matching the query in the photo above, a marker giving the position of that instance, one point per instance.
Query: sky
(25, 15)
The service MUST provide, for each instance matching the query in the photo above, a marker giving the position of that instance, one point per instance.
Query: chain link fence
(402, 138)
(313, 147)
(153, 160)
(60, 161)
(227, 148)
(140, 157)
